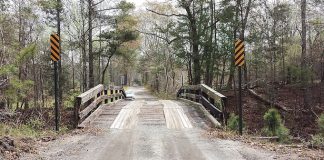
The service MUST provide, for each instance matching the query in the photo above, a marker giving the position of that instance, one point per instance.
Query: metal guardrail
(212, 100)
(87, 102)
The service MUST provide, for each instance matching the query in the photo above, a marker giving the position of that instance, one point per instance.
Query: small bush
(320, 123)
(274, 125)
(233, 122)
(69, 101)
(318, 139)
(36, 124)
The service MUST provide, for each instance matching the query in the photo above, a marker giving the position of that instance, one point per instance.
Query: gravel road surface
(147, 128)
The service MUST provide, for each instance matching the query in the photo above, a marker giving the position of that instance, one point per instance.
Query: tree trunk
(303, 36)
(189, 72)
(91, 76)
(194, 43)
(303, 54)
(210, 50)
(83, 50)
(73, 71)
(105, 70)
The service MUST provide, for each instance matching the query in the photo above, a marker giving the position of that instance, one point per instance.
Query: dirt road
(148, 128)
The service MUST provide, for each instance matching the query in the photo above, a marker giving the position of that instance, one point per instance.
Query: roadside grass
(26, 131)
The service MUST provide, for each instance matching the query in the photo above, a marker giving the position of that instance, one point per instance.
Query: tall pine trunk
(303, 54)
(91, 76)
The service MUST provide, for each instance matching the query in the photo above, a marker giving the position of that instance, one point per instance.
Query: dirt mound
(11, 148)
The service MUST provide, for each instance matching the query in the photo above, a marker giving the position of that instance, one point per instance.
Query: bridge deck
(148, 128)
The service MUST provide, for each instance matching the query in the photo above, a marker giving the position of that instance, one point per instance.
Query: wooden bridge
(88, 103)
(148, 127)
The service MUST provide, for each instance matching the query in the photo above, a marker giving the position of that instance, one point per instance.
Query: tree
(124, 31)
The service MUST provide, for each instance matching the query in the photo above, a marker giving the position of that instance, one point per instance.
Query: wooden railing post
(106, 93)
(116, 92)
(111, 94)
(77, 105)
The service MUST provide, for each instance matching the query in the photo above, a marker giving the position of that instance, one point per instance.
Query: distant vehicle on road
(130, 95)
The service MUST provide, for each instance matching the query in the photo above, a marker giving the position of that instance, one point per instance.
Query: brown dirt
(300, 121)
(44, 114)
(12, 147)
(291, 151)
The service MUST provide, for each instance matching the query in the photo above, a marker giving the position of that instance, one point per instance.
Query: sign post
(55, 56)
(239, 62)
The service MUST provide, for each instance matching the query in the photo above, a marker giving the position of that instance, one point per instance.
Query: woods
(282, 42)
(90, 40)
(192, 42)
(165, 46)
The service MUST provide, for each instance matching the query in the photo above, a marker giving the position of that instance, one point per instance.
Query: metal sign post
(55, 56)
(239, 61)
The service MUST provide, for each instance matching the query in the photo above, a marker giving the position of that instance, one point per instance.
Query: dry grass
(300, 150)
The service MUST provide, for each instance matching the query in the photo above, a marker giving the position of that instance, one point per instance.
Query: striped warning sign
(239, 53)
(55, 47)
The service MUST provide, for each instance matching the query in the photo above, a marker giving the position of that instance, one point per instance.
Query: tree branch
(163, 38)
(107, 9)
(166, 15)
(98, 3)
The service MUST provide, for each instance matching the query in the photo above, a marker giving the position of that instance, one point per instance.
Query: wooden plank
(206, 113)
(191, 95)
(213, 109)
(115, 87)
(94, 104)
(210, 91)
(218, 97)
(94, 115)
(86, 96)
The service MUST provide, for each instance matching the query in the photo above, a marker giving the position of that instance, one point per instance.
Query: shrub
(36, 124)
(318, 139)
(274, 125)
(320, 123)
(233, 122)
(69, 101)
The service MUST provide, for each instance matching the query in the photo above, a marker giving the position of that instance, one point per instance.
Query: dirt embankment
(300, 120)
(21, 130)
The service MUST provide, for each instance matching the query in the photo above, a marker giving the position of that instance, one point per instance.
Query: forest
(164, 46)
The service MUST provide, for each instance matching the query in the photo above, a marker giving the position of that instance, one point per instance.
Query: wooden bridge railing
(212, 100)
(90, 100)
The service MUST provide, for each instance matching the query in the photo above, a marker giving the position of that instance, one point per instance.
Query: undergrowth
(34, 128)
(318, 139)
(274, 126)
(233, 122)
